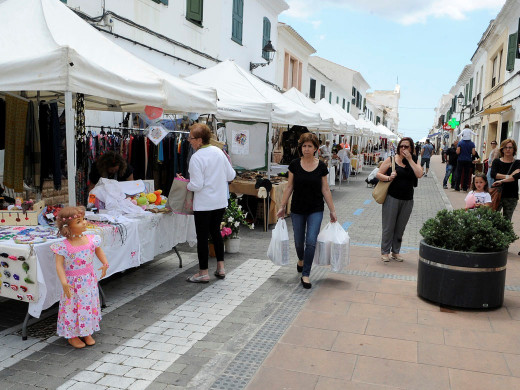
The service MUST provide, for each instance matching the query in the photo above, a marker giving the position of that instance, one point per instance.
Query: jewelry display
(19, 272)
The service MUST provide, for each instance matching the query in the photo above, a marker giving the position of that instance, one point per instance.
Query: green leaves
(234, 216)
(479, 230)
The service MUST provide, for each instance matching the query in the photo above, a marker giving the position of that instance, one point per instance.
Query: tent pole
(269, 148)
(71, 148)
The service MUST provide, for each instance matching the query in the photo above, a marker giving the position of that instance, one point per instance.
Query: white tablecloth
(147, 237)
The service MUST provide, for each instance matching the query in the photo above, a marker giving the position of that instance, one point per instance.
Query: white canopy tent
(327, 109)
(386, 132)
(48, 51)
(328, 123)
(354, 128)
(234, 85)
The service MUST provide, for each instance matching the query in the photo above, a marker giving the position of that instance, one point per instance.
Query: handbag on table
(381, 188)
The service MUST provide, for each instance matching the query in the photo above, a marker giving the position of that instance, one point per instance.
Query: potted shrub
(233, 218)
(463, 258)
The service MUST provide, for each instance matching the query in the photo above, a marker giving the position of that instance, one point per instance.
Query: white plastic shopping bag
(333, 247)
(278, 251)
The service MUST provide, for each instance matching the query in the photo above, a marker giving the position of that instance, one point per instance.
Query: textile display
(381, 188)
(15, 129)
(19, 273)
(257, 155)
(147, 236)
(112, 195)
(32, 157)
(2, 124)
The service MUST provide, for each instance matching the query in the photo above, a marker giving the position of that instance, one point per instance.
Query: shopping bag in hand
(332, 247)
(323, 246)
(278, 251)
(180, 199)
(340, 248)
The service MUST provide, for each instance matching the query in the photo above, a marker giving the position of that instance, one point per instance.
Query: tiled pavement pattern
(362, 329)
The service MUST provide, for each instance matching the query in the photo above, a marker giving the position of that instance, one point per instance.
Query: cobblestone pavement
(254, 328)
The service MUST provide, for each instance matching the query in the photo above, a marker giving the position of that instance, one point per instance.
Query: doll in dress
(80, 312)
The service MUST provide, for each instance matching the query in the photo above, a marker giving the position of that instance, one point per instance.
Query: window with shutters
(330, 97)
(470, 93)
(348, 106)
(165, 2)
(266, 37)
(511, 52)
(337, 99)
(194, 11)
(64, 1)
(364, 103)
(495, 72)
(292, 72)
(322, 92)
(358, 100)
(237, 21)
(312, 89)
(343, 105)
(378, 120)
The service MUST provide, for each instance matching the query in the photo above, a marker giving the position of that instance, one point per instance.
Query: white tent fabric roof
(45, 46)
(327, 109)
(386, 132)
(327, 124)
(235, 85)
(353, 124)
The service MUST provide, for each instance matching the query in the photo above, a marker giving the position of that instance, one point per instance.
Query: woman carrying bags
(309, 187)
(398, 204)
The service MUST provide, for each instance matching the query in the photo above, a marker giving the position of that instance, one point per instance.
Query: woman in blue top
(308, 186)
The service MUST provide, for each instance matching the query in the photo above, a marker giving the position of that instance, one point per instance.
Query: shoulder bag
(496, 192)
(381, 188)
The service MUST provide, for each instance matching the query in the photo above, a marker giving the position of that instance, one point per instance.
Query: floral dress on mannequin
(79, 315)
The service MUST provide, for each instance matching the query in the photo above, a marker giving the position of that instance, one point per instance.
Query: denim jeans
(346, 170)
(306, 243)
(449, 169)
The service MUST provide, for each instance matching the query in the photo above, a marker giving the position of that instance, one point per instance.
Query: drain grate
(43, 329)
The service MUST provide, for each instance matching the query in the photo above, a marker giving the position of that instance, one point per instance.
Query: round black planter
(462, 279)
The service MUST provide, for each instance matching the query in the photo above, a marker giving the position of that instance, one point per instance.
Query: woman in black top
(308, 186)
(506, 172)
(399, 200)
(110, 165)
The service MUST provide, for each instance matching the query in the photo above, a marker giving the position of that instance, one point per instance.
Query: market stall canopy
(46, 47)
(386, 132)
(234, 85)
(353, 125)
(328, 123)
(327, 109)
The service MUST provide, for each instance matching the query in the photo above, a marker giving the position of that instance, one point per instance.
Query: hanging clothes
(15, 129)
(46, 145)
(2, 124)
(56, 146)
(32, 156)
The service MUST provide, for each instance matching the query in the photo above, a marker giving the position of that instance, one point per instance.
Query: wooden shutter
(330, 97)
(322, 92)
(343, 105)
(470, 89)
(348, 106)
(238, 20)
(266, 37)
(312, 89)
(194, 11)
(511, 52)
(64, 1)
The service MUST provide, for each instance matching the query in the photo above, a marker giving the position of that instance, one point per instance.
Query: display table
(246, 187)
(146, 237)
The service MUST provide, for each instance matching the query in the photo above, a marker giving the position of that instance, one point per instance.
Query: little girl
(479, 195)
(79, 312)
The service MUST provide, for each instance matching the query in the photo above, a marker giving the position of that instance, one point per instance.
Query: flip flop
(198, 279)
(221, 274)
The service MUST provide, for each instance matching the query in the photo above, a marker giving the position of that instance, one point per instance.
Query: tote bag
(381, 188)
(496, 192)
(180, 199)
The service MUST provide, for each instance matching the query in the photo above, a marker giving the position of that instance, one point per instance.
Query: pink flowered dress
(79, 316)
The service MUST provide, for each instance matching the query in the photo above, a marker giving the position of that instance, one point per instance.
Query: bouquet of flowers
(233, 217)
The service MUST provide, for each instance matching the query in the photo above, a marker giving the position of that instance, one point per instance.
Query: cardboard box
(21, 218)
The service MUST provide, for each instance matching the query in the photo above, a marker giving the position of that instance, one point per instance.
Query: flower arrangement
(233, 217)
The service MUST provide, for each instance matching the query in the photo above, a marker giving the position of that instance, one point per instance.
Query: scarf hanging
(15, 129)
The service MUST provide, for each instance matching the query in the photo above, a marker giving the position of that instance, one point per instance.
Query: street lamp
(269, 49)
(460, 98)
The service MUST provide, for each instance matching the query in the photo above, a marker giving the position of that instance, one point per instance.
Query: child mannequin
(79, 312)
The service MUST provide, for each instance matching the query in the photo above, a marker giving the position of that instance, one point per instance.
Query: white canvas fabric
(243, 96)
(45, 46)
(327, 122)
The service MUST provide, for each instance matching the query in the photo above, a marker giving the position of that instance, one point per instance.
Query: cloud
(316, 24)
(403, 11)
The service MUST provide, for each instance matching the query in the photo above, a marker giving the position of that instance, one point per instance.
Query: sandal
(197, 278)
(220, 273)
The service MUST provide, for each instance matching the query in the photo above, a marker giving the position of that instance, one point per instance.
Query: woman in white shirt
(210, 171)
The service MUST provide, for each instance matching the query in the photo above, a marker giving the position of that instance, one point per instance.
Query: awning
(433, 135)
(495, 110)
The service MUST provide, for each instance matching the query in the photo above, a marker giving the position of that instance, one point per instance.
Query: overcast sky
(424, 43)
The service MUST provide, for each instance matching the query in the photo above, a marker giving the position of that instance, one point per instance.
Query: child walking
(479, 194)
(79, 313)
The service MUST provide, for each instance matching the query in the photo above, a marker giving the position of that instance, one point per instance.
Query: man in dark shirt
(451, 164)
(466, 151)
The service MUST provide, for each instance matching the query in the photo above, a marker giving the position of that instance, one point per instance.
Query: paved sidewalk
(363, 328)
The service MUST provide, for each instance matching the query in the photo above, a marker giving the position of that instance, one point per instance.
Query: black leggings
(208, 223)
